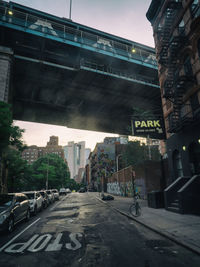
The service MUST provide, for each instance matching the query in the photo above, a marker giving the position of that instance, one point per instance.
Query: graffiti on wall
(124, 189)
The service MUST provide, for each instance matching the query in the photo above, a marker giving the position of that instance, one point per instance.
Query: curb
(183, 244)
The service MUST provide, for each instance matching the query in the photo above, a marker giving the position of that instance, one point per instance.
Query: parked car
(82, 190)
(50, 195)
(62, 191)
(14, 207)
(68, 190)
(56, 194)
(45, 202)
(35, 200)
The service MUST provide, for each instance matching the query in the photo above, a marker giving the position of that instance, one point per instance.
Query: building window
(194, 100)
(187, 66)
(194, 7)
(181, 28)
(198, 47)
(177, 164)
(194, 157)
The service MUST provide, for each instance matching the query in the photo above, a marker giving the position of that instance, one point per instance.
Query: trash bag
(108, 197)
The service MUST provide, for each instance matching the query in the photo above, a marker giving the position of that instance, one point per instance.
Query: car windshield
(30, 195)
(55, 191)
(6, 200)
(48, 192)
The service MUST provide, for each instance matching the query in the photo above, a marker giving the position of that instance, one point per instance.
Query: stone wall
(5, 70)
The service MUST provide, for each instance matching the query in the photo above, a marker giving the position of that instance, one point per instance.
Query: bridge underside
(51, 85)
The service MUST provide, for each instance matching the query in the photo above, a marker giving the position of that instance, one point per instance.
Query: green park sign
(153, 128)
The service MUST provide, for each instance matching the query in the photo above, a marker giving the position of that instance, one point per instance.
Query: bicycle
(135, 208)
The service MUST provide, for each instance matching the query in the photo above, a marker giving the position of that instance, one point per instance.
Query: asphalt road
(79, 230)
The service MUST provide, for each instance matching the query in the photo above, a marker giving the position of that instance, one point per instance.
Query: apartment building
(176, 28)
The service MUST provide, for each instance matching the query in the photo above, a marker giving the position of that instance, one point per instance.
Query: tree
(51, 171)
(135, 153)
(5, 125)
(17, 171)
(10, 138)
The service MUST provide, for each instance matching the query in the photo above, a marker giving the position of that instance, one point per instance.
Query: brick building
(32, 153)
(176, 28)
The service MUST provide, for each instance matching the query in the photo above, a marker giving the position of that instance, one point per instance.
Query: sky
(124, 18)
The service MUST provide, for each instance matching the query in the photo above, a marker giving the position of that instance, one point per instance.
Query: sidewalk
(180, 228)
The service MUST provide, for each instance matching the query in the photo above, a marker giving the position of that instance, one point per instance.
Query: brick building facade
(176, 27)
(32, 153)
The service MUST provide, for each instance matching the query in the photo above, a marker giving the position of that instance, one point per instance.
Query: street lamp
(47, 177)
(70, 10)
(117, 161)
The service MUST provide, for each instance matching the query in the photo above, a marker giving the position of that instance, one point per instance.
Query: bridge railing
(48, 27)
(118, 73)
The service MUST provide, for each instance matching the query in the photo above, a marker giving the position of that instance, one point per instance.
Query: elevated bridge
(64, 73)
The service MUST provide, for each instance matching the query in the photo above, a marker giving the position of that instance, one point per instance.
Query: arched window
(177, 164)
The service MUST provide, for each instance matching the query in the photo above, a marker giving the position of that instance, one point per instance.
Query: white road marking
(55, 246)
(76, 242)
(34, 247)
(20, 247)
(51, 209)
(39, 242)
(15, 237)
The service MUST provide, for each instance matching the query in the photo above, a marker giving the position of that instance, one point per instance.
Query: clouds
(38, 134)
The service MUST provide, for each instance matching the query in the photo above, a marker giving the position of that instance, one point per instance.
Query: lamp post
(70, 10)
(117, 161)
(47, 177)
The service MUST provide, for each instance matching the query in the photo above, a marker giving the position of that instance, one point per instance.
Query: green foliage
(5, 125)
(17, 167)
(51, 168)
(72, 185)
(10, 145)
(136, 153)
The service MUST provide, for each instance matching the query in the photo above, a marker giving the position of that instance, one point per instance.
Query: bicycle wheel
(135, 209)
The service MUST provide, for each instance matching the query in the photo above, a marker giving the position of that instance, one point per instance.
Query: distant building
(32, 153)
(116, 140)
(52, 147)
(76, 155)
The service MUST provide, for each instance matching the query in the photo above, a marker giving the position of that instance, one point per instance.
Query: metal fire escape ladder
(168, 57)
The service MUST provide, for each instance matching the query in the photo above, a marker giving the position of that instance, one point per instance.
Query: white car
(35, 201)
(68, 191)
(56, 194)
(50, 195)
(62, 191)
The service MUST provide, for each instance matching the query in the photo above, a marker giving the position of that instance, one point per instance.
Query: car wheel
(35, 210)
(10, 225)
(28, 215)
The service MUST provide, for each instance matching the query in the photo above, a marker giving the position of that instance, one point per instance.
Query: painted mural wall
(120, 183)
(124, 189)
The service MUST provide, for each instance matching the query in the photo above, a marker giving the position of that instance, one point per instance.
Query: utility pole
(70, 10)
(149, 146)
(47, 177)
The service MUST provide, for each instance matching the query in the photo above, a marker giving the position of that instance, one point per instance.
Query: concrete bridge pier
(6, 59)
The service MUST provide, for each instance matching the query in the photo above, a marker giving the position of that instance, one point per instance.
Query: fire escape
(171, 45)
